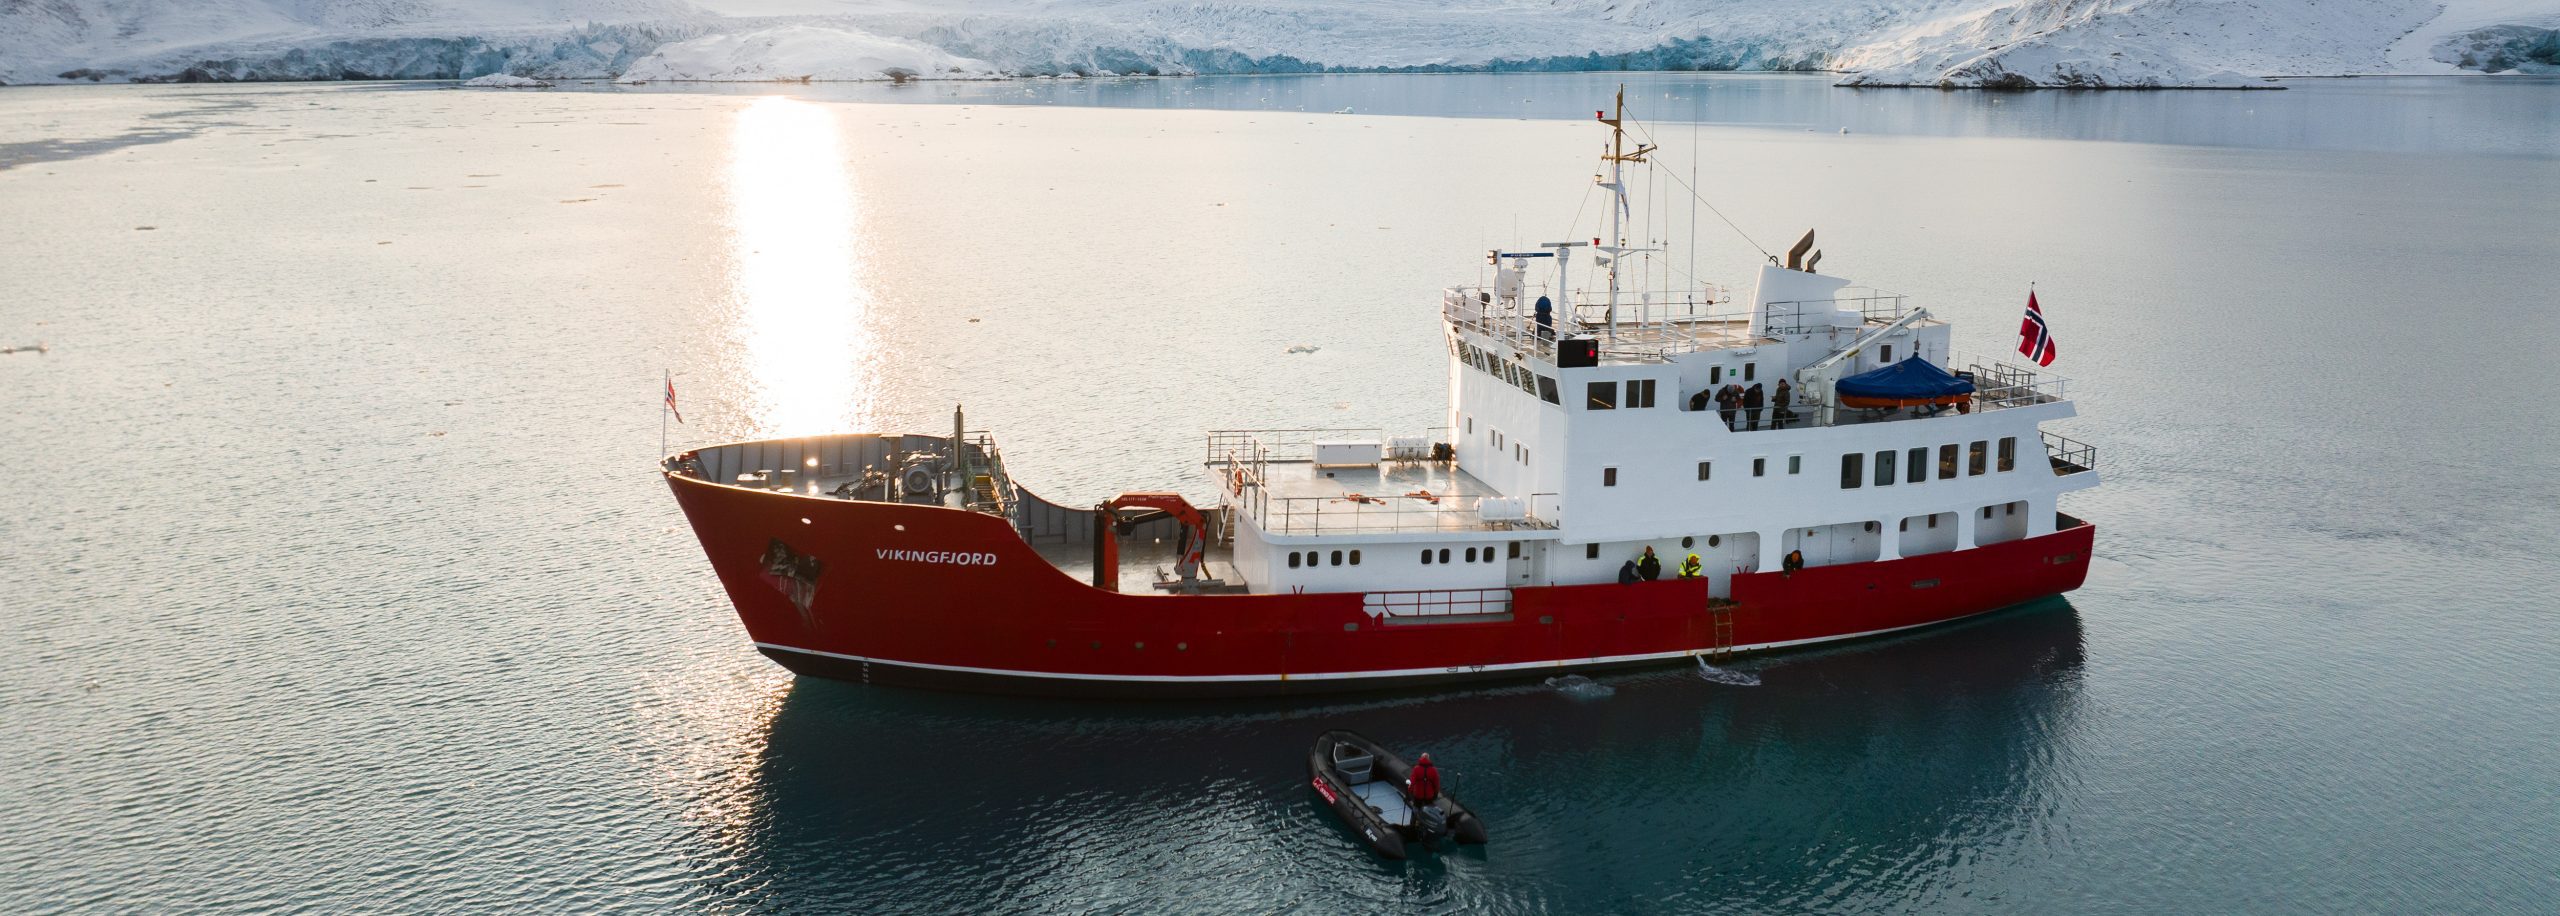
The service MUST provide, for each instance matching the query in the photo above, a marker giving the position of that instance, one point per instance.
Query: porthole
(1688, 541)
(1715, 540)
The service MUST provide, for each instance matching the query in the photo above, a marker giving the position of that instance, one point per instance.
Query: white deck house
(1559, 473)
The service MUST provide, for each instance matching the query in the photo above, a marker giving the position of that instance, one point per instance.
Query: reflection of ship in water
(1931, 750)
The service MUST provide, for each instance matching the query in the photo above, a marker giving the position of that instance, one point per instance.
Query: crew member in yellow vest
(1689, 568)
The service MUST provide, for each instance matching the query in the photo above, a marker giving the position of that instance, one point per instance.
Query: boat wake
(1725, 675)
(1577, 687)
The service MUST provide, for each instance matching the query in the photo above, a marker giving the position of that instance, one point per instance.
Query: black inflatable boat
(1365, 785)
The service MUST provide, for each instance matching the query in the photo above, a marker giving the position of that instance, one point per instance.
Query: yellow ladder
(1723, 618)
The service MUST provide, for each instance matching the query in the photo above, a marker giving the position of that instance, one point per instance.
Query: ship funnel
(1795, 255)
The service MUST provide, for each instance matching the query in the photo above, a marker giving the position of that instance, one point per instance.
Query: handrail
(1386, 513)
(1442, 602)
(2069, 456)
(1278, 444)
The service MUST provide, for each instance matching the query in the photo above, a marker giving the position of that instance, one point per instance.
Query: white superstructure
(1574, 440)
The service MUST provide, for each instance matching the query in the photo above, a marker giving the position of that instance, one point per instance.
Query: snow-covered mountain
(1997, 43)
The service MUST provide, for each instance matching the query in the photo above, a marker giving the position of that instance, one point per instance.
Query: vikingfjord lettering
(947, 557)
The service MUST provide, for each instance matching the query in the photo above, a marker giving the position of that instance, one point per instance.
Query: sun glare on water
(802, 309)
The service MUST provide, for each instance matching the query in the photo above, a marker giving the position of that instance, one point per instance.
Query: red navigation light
(1599, 116)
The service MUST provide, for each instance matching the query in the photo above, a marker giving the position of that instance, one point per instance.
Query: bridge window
(1918, 460)
(1603, 396)
(1639, 393)
(2009, 453)
(1946, 462)
(1852, 470)
(1974, 464)
(1706, 469)
(1884, 468)
(1608, 477)
(1547, 390)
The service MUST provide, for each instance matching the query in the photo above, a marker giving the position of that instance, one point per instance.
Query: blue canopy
(1908, 380)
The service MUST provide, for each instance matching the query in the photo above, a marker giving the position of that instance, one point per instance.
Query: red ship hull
(903, 594)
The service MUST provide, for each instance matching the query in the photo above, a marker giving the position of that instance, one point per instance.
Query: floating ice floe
(1725, 675)
(504, 81)
(1303, 348)
(1581, 688)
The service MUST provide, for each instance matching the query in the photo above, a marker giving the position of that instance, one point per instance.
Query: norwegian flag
(671, 399)
(2035, 337)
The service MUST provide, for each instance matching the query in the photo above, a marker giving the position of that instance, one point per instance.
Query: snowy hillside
(1951, 43)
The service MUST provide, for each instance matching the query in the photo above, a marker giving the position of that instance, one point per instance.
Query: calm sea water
(334, 576)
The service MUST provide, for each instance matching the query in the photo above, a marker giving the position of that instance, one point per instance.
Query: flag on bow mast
(2035, 337)
(671, 398)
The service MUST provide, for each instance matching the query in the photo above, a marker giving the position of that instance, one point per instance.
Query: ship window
(1604, 396)
(1488, 554)
(1933, 521)
(1986, 511)
(1471, 554)
(1706, 469)
(1795, 464)
(1426, 556)
(1715, 540)
(1337, 558)
(1715, 375)
(1759, 467)
(1527, 380)
(1591, 551)
(1886, 355)
(1293, 559)
(1852, 468)
(1547, 390)
(1640, 393)
(2009, 453)
(1688, 542)
(1919, 461)
(1471, 426)
(1515, 550)
(1750, 371)
(1884, 468)
(1974, 465)
(1608, 477)
(2010, 509)
(1355, 558)
(1444, 555)
(1871, 526)
(1905, 526)
(1946, 462)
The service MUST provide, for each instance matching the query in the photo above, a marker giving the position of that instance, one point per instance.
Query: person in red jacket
(1424, 782)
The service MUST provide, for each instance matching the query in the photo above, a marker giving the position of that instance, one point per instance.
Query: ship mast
(1617, 157)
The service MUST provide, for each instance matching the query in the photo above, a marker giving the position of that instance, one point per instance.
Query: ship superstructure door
(1522, 559)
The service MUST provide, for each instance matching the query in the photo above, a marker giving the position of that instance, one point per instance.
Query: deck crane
(1813, 382)
(1109, 526)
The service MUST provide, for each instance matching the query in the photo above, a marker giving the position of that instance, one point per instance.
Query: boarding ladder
(1721, 613)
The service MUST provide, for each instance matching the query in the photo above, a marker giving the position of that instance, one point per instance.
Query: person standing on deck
(1423, 783)
(1780, 412)
(1751, 401)
(1649, 566)
(1627, 574)
(1728, 398)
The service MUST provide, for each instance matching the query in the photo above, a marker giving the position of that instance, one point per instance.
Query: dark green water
(333, 578)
